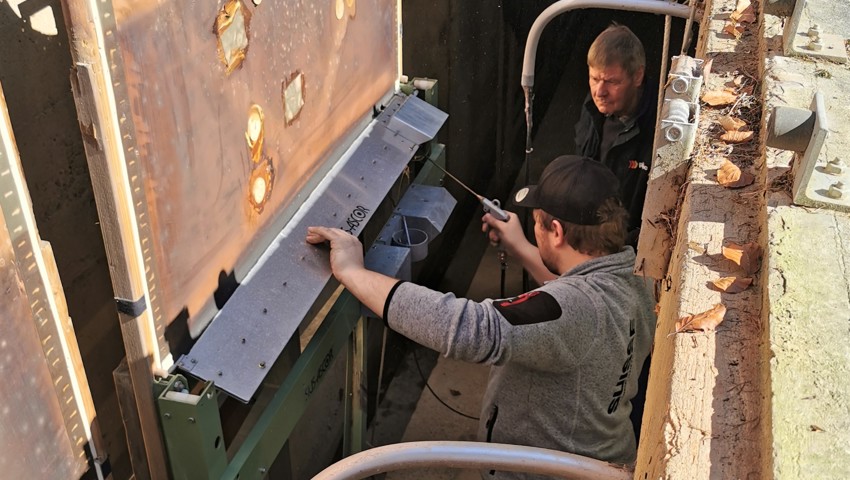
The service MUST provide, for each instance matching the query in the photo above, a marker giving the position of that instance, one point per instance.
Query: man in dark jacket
(564, 356)
(617, 122)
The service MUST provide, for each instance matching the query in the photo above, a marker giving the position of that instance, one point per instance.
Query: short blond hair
(617, 45)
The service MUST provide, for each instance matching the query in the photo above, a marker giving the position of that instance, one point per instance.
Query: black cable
(422, 375)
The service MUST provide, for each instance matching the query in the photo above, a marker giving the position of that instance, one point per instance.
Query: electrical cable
(422, 375)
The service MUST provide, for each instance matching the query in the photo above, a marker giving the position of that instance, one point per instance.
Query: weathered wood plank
(117, 217)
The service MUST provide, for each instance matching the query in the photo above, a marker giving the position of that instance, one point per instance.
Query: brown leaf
(737, 137)
(748, 255)
(707, 320)
(730, 176)
(731, 284)
(734, 29)
(747, 16)
(731, 124)
(717, 98)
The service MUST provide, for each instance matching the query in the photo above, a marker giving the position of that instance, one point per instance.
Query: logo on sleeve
(529, 308)
(634, 165)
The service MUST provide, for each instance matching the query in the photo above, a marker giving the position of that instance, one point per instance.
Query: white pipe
(659, 7)
(472, 455)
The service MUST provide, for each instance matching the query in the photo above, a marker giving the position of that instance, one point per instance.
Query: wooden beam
(98, 123)
(132, 422)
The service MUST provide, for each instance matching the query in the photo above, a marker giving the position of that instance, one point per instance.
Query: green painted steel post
(191, 426)
(275, 425)
(356, 392)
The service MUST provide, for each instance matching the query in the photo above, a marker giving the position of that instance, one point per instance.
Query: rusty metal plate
(247, 336)
(228, 111)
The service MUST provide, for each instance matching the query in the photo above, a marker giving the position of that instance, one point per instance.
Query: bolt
(834, 167)
(814, 31)
(243, 341)
(178, 386)
(262, 470)
(193, 360)
(265, 310)
(167, 416)
(191, 419)
(219, 373)
(815, 45)
(262, 364)
(836, 190)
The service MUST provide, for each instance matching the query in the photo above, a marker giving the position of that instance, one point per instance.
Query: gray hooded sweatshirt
(566, 356)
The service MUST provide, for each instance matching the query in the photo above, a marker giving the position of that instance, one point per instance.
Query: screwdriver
(493, 207)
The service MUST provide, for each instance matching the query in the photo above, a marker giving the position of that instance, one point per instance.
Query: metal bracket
(805, 131)
(678, 123)
(191, 427)
(806, 38)
(685, 78)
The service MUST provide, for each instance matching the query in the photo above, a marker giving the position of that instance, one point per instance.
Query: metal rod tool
(493, 207)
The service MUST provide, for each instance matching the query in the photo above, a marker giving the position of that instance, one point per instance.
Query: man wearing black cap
(564, 356)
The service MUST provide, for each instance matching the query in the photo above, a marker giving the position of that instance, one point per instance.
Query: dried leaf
(734, 29)
(717, 98)
(747, 16)
(731, 124)
(706, 67)
(748, 256)
(730, 176)
(707, 320)
(737, 137)
(731, 284)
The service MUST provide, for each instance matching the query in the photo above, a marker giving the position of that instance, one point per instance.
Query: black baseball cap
(571, 188)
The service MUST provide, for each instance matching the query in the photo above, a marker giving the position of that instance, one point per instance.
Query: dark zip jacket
(630, 154)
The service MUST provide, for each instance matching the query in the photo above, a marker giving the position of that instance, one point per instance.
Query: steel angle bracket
(805, 131)
(249, 333)
(806, 38)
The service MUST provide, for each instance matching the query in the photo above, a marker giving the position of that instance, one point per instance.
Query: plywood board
(184, 121)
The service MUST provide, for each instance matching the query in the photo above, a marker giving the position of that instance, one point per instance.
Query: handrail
(472, 455)
(647, 6)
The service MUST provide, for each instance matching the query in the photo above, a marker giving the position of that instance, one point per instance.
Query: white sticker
(520, 195)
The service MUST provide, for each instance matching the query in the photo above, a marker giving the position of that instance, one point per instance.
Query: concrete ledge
(703, 417)
(808, 261)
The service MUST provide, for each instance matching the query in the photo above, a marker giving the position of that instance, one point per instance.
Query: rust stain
(232, 29)
(293, 97)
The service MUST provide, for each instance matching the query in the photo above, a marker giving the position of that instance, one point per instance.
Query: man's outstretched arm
(371, 288)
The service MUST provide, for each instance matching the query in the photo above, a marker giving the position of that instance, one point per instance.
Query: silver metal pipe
(472, 455)
(659, 7)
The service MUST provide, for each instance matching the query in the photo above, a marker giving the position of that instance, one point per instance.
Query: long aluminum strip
(246, 337)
